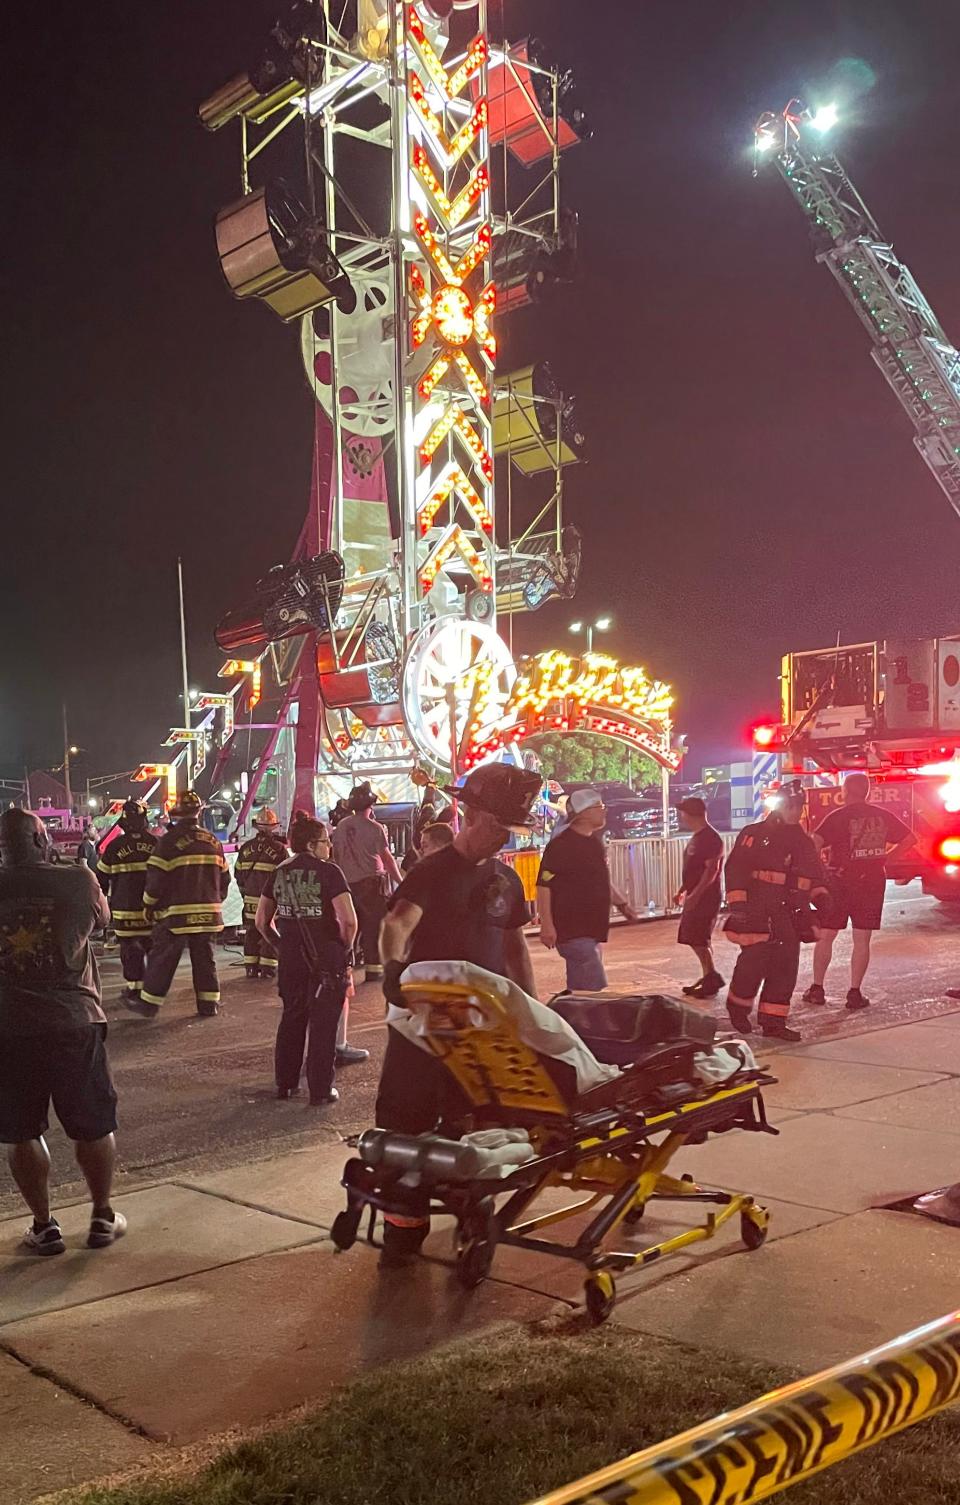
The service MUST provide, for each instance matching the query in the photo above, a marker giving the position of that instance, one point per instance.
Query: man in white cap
(574, 893)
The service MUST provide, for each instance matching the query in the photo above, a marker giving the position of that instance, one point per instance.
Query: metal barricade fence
(790, 1434)
(647, 870)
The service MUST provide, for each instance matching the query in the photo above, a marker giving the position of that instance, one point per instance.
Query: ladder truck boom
(909, 343)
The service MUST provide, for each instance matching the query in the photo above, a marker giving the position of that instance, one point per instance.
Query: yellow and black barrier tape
(790, 1434)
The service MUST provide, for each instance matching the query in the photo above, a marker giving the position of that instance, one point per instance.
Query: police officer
(772, 877)
(122, 871)
(256, 860)
(187, 882)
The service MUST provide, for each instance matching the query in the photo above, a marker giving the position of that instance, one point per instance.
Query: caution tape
(790, 1434)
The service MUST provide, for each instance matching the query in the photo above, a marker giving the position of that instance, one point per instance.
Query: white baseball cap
(583, 799)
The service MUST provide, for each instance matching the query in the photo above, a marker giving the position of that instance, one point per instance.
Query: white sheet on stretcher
(546, 1032)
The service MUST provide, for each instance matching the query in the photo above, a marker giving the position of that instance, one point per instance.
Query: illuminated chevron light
(453, 481)
(455, 541)
(456, 421)
(449, 84)
(456, 212)
(451, 151)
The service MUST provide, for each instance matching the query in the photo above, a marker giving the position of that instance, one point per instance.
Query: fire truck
(890, 709)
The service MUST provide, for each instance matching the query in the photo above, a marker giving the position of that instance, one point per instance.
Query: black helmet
(134, 816)
(503, 791)
(186, 806)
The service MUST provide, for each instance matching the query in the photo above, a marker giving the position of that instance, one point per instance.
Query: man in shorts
(574, 893)
(855, 843)
(52, 1029)
(700, 894)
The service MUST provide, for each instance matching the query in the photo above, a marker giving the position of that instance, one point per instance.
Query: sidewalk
(226, 1303)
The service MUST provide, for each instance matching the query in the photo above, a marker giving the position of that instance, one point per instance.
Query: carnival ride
(408, 191)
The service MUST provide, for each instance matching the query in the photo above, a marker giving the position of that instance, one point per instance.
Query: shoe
(45, 1240)
(856, 1000)
(815, 994)
(351, 1055)
(130, 995)
(208, 1010)
(285, 1092)
(140, 1006)
(706, 987)
(104, 1231)
(252, 973)
(332, 1096)
(740, 1017)
(774, 1030)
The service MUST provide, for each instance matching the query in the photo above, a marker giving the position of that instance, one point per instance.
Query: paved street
(228, 1293)
(198, 1094)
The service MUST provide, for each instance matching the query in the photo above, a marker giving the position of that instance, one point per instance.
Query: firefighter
(256, 860)
(772, 877)
(187, 882)
(122, 870)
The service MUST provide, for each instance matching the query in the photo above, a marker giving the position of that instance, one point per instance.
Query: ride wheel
(449, 665)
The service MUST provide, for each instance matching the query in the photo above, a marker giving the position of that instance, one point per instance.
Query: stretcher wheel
(600, 1294)
(753, 1235)
(474, 1261)
(635, 1215)
(345, 1227)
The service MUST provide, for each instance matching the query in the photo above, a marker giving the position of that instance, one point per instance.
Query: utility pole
(66, 760)
(183, 664)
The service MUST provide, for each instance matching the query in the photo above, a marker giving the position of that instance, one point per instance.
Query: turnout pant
(165, 952)
(133, 959)
(414, 1095)
(257, 951)
(371, 906)
(770, 968)
(310, 1021)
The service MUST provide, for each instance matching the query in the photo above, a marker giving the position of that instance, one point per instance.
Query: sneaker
(815, 994)
(332, 1096)
(104, 1231)
(856, 1000)
(46, 1239)
(775, 1030)
(351, 1055)
(740, 1017)
(707, 987)
(140, 1006)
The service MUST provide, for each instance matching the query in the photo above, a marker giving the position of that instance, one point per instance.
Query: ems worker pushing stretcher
(772, 877)
(461, 904)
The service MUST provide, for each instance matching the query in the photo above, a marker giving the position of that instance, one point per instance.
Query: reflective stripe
(736, 896)
(194, 929)
(128, 914)
(780, 1010)
(150, 899)
(200, 859)
(804, 884)
(199, 908)
(208, 997)
(768, 877)
(265, 867)
(267, 961)
(396, 1221)
(121, 867)
(152, 997)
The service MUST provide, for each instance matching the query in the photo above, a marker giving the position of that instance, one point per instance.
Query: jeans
(584, 961)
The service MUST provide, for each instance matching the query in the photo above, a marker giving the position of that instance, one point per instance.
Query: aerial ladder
(909, 343)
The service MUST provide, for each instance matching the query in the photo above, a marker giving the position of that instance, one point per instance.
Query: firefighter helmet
(134, 816)
(186, 806)
(266, 819)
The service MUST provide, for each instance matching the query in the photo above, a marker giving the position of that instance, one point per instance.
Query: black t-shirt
(303, 889)
(574, 869)
(702, 850)
(48, 974)
(466, 907)
(858, 836)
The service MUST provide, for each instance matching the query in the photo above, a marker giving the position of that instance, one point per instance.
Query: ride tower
(399, 176)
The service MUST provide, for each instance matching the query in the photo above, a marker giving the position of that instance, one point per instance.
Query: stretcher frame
(611, 1152)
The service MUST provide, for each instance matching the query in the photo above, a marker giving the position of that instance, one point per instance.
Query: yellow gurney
(610, 1144)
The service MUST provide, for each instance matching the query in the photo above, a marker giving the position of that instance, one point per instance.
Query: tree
(587, 757)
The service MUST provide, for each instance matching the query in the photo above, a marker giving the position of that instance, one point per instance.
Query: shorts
(584, 961)
(856, 899)
(71, 1068)
(696, 927)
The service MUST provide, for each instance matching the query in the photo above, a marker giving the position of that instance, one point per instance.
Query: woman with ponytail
(306, 912)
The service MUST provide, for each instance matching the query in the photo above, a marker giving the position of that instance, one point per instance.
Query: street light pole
(602, 624)
(66, 760)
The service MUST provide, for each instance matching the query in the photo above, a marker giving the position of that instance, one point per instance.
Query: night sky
(752, 485)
